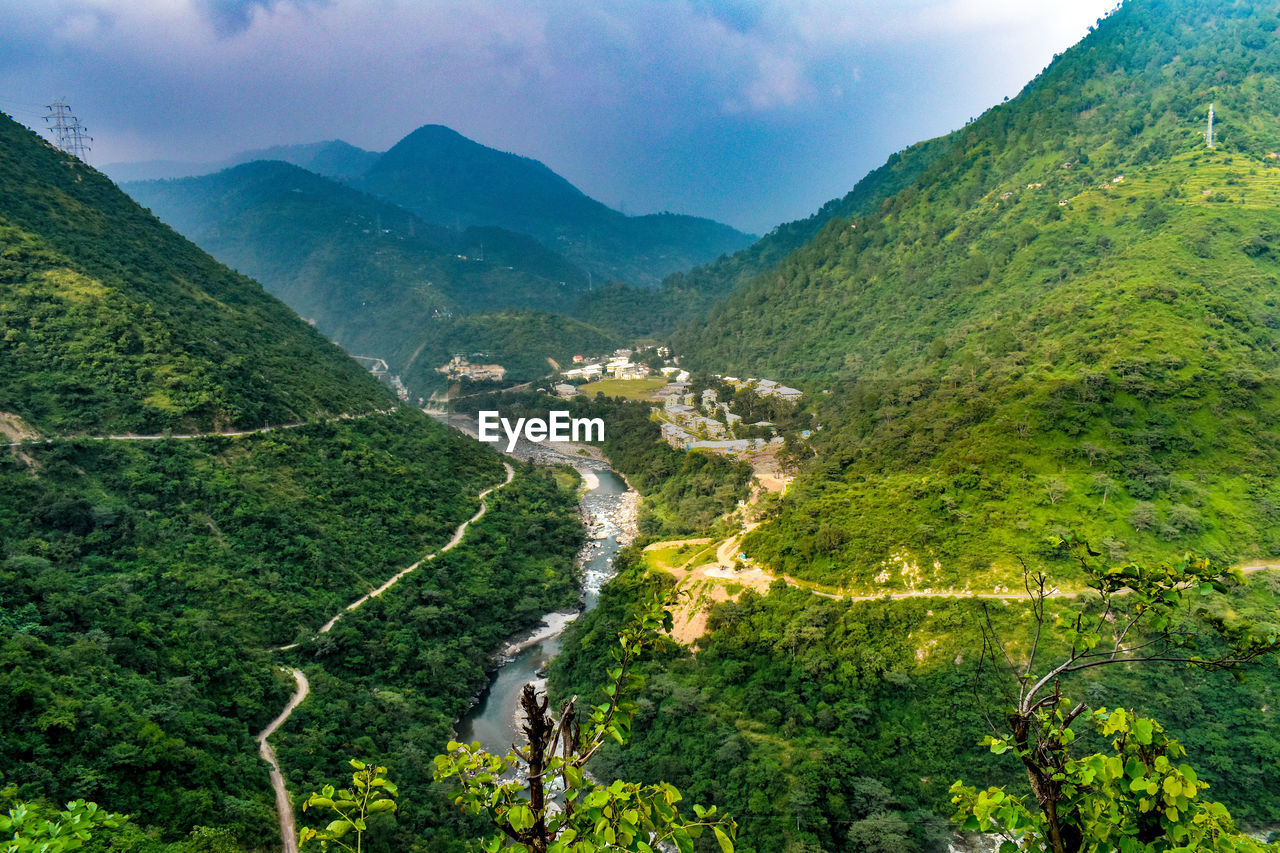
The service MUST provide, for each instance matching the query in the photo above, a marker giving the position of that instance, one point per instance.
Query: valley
(944, 517)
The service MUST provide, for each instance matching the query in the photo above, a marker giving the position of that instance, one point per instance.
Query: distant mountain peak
(446, 178)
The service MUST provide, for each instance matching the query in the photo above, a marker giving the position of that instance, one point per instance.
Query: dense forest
(1059, 322)
(1065, 321)
(1062, 319)
(835, 725)
(113, 322)
(147, 578)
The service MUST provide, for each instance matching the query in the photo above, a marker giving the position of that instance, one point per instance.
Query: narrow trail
(128, 436)
(710, 583)
(284, 806)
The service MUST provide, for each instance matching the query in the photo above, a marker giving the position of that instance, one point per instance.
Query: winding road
(284, 806)
(288, 829)
(193, 435)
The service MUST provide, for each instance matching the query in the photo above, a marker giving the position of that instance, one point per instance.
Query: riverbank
(609, 510)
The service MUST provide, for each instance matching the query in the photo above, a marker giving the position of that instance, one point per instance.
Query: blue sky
(751, 112)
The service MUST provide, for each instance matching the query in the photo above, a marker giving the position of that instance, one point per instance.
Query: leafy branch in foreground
(370, 793)
(31, 828)
(517, 792)
(1137, 798)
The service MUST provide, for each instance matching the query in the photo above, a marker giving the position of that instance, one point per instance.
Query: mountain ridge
(446, 178)
(941, 322)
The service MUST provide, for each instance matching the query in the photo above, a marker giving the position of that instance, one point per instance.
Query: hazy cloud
(752, 112)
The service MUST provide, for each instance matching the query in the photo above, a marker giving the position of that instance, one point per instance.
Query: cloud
(746, 110)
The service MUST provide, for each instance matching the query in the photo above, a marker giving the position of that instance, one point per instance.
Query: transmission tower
(70, 135)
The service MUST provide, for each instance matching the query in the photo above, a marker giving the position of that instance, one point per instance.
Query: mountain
(1061, 317)
(115, 323)
(154, 556)
(446, 178)
(333, 159)
(1064, 321)
(639, 312)
(372, 276)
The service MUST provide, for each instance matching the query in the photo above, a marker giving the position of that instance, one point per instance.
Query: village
(692, 415)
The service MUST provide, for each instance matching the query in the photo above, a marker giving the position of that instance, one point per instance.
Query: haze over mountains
(333, 159)
(444, 227)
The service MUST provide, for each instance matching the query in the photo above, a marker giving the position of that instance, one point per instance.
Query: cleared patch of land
(628, 389)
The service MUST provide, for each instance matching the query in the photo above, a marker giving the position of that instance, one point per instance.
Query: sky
(753, 112)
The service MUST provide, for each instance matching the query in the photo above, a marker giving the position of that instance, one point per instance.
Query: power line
(69, 134)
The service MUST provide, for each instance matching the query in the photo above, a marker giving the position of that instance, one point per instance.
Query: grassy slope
(1001, 363)
(113, 322)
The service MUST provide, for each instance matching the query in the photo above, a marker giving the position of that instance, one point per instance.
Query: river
(493, 721)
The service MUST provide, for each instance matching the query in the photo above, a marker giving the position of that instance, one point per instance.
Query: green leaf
(520, 818)
(339, 828)
(726, 844)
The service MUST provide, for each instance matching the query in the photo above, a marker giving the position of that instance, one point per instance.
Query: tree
(1138, 797)
(591, 816)
(371, 792)
(32, 828)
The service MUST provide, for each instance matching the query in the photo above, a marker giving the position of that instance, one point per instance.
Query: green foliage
(110, 322)
(388, 683)
(1136, 799)
(823, 723)
(593, 816)
(31, 828)
(152, 577)
(371, 793)
(1017, 342)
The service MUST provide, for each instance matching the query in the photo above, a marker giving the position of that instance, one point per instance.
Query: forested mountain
(457, 229)
(640, 312)
(113, 322)
(1065, 320)
(372, 276)
(144, 580)
(449, 179)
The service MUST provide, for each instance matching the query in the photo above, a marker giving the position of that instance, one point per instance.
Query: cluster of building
(617, 366)
(459, 367)
(764, 388)
(382, 372)
(686, 427)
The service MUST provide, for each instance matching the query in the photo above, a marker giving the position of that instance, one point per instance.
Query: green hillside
(114, 323)
(143, 582)
(524, 342)
(640, 312)
(1066, 322)
(370, 275)
(446, 178)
